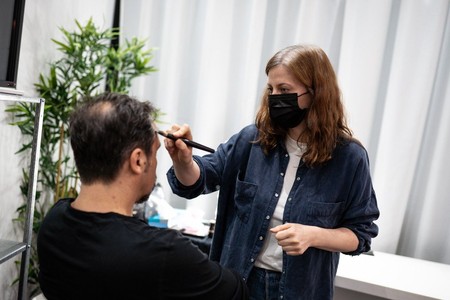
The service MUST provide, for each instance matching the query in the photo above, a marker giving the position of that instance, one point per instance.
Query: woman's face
(281, 81)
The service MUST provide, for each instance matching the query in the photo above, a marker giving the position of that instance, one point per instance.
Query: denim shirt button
(298, 178)
(286, 155)
(282, 174)
(267, 217)
(276, 195)
(289, 199)
(217, 187)
(252, 259)
(261, 237)
(281, 297)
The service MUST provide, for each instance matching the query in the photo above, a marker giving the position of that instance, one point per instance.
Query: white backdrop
(392, 59)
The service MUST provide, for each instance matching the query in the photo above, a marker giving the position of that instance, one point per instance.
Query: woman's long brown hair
(326, 124)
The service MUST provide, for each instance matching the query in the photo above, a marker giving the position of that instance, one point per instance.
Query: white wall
(43, 19)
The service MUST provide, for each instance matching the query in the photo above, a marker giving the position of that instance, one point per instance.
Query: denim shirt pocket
(324, 214)
(243, 199)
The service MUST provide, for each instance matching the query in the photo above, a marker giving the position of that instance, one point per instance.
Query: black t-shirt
(110, 256)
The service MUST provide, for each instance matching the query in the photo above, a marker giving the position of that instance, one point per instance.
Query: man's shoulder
(172, 239)
(63, 202)
(59, 208)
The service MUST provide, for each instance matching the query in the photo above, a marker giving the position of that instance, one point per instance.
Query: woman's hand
(179, 152)
(186, 170)
(295, 239)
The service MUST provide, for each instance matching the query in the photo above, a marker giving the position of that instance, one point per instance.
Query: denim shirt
(336, 194)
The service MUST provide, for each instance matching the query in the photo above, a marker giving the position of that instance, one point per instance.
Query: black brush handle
(186, 141)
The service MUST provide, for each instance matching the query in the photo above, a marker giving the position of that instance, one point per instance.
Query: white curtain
(393, 62)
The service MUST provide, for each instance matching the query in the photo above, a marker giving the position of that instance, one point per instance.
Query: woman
(295, 187)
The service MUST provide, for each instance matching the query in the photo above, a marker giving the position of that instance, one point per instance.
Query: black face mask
(284, 110)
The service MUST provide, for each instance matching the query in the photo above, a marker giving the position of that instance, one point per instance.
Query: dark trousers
(263, 284)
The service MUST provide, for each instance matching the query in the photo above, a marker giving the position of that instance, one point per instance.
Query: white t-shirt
(271, 255)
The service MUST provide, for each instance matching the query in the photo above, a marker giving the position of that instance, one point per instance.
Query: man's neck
(103, 198)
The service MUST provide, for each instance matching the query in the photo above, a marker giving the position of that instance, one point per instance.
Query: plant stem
(61, 144)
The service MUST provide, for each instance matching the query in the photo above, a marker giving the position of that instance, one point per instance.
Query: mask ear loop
(307, 92)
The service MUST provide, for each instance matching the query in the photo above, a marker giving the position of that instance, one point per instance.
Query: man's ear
(138, 161)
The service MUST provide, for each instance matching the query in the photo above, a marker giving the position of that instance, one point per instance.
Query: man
(91, 247)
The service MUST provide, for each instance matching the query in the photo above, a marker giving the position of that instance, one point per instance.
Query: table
(392, 276)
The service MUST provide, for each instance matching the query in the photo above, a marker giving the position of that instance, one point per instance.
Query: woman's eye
(284, 90)
(269, 90)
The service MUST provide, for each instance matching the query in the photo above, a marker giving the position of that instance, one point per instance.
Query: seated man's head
(109, 131)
